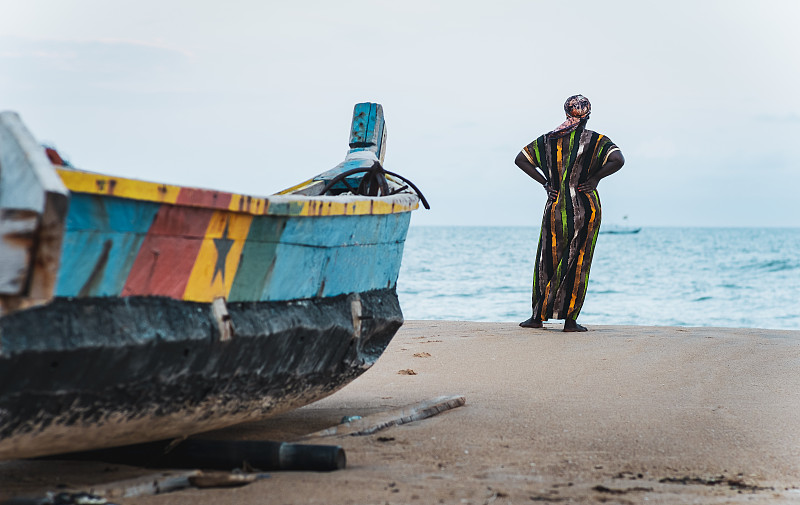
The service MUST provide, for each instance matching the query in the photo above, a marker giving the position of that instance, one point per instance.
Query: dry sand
(617, 415)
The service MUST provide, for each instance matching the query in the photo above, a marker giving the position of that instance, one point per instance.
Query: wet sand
(619, 414)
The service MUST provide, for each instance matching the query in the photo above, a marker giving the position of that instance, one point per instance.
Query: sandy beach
(620, 414)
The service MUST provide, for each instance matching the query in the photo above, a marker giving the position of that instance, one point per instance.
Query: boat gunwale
(80, 181)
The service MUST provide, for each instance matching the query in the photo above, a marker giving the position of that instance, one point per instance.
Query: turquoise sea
(731, 277)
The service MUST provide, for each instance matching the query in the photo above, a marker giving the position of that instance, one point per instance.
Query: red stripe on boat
(204, 198)
(168, 253)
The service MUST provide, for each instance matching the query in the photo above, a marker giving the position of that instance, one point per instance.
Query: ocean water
(729, 277)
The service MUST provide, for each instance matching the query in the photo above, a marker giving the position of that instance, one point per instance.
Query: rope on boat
(373, 183)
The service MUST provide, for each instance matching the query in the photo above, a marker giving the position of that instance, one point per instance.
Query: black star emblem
(223, 246)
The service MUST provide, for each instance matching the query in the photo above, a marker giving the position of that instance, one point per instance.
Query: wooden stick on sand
(376, 422)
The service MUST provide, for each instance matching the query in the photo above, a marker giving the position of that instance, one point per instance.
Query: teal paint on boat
(297, 273)
(332, 231)
(314, 254)
(109, 214)
(376, 262)
(102, 238)
(328, 256)
(258, 258)
(285, 208)
(367, 126)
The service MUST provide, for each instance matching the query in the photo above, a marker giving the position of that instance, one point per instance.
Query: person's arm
(613, 164)
(529, 168)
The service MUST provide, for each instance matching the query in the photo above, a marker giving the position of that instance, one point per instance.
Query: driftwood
(146, 485)
(376, 422)
(167, 482)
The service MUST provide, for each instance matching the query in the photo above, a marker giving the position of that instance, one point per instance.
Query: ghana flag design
(134, 238)
(570, 223)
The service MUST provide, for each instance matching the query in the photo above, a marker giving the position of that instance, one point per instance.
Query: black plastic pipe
(203, 454)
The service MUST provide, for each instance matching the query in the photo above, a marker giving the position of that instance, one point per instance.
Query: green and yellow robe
(570, 223)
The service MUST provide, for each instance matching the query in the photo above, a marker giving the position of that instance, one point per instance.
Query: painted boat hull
(165, 311)
(171, 374)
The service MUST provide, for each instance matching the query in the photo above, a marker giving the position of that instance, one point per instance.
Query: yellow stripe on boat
(101, 184)
(248, 204)
(216, 263)
(284, 204)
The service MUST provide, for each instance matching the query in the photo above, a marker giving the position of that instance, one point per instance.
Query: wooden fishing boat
(136, 311)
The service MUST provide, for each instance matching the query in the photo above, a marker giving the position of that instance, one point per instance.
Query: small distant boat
(617, 229)
(134, 311)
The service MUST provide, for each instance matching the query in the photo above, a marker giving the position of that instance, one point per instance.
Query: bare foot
(570, 325)
(532, 322)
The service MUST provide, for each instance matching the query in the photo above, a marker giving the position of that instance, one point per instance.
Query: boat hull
(134, 311)
(117, 371)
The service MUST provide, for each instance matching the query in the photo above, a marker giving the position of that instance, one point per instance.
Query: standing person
(569, 162)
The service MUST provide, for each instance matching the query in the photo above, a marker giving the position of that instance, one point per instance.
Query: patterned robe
(570, 223)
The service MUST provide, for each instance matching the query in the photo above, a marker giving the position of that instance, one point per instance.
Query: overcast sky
(703, 97)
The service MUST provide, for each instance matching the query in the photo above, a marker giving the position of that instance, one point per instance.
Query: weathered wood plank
(33, 204)
(371, 424)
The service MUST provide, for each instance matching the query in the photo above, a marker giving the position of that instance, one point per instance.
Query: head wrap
(577, 108)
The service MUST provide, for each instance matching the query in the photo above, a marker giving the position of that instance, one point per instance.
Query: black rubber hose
(376, 168)
(203, 454)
